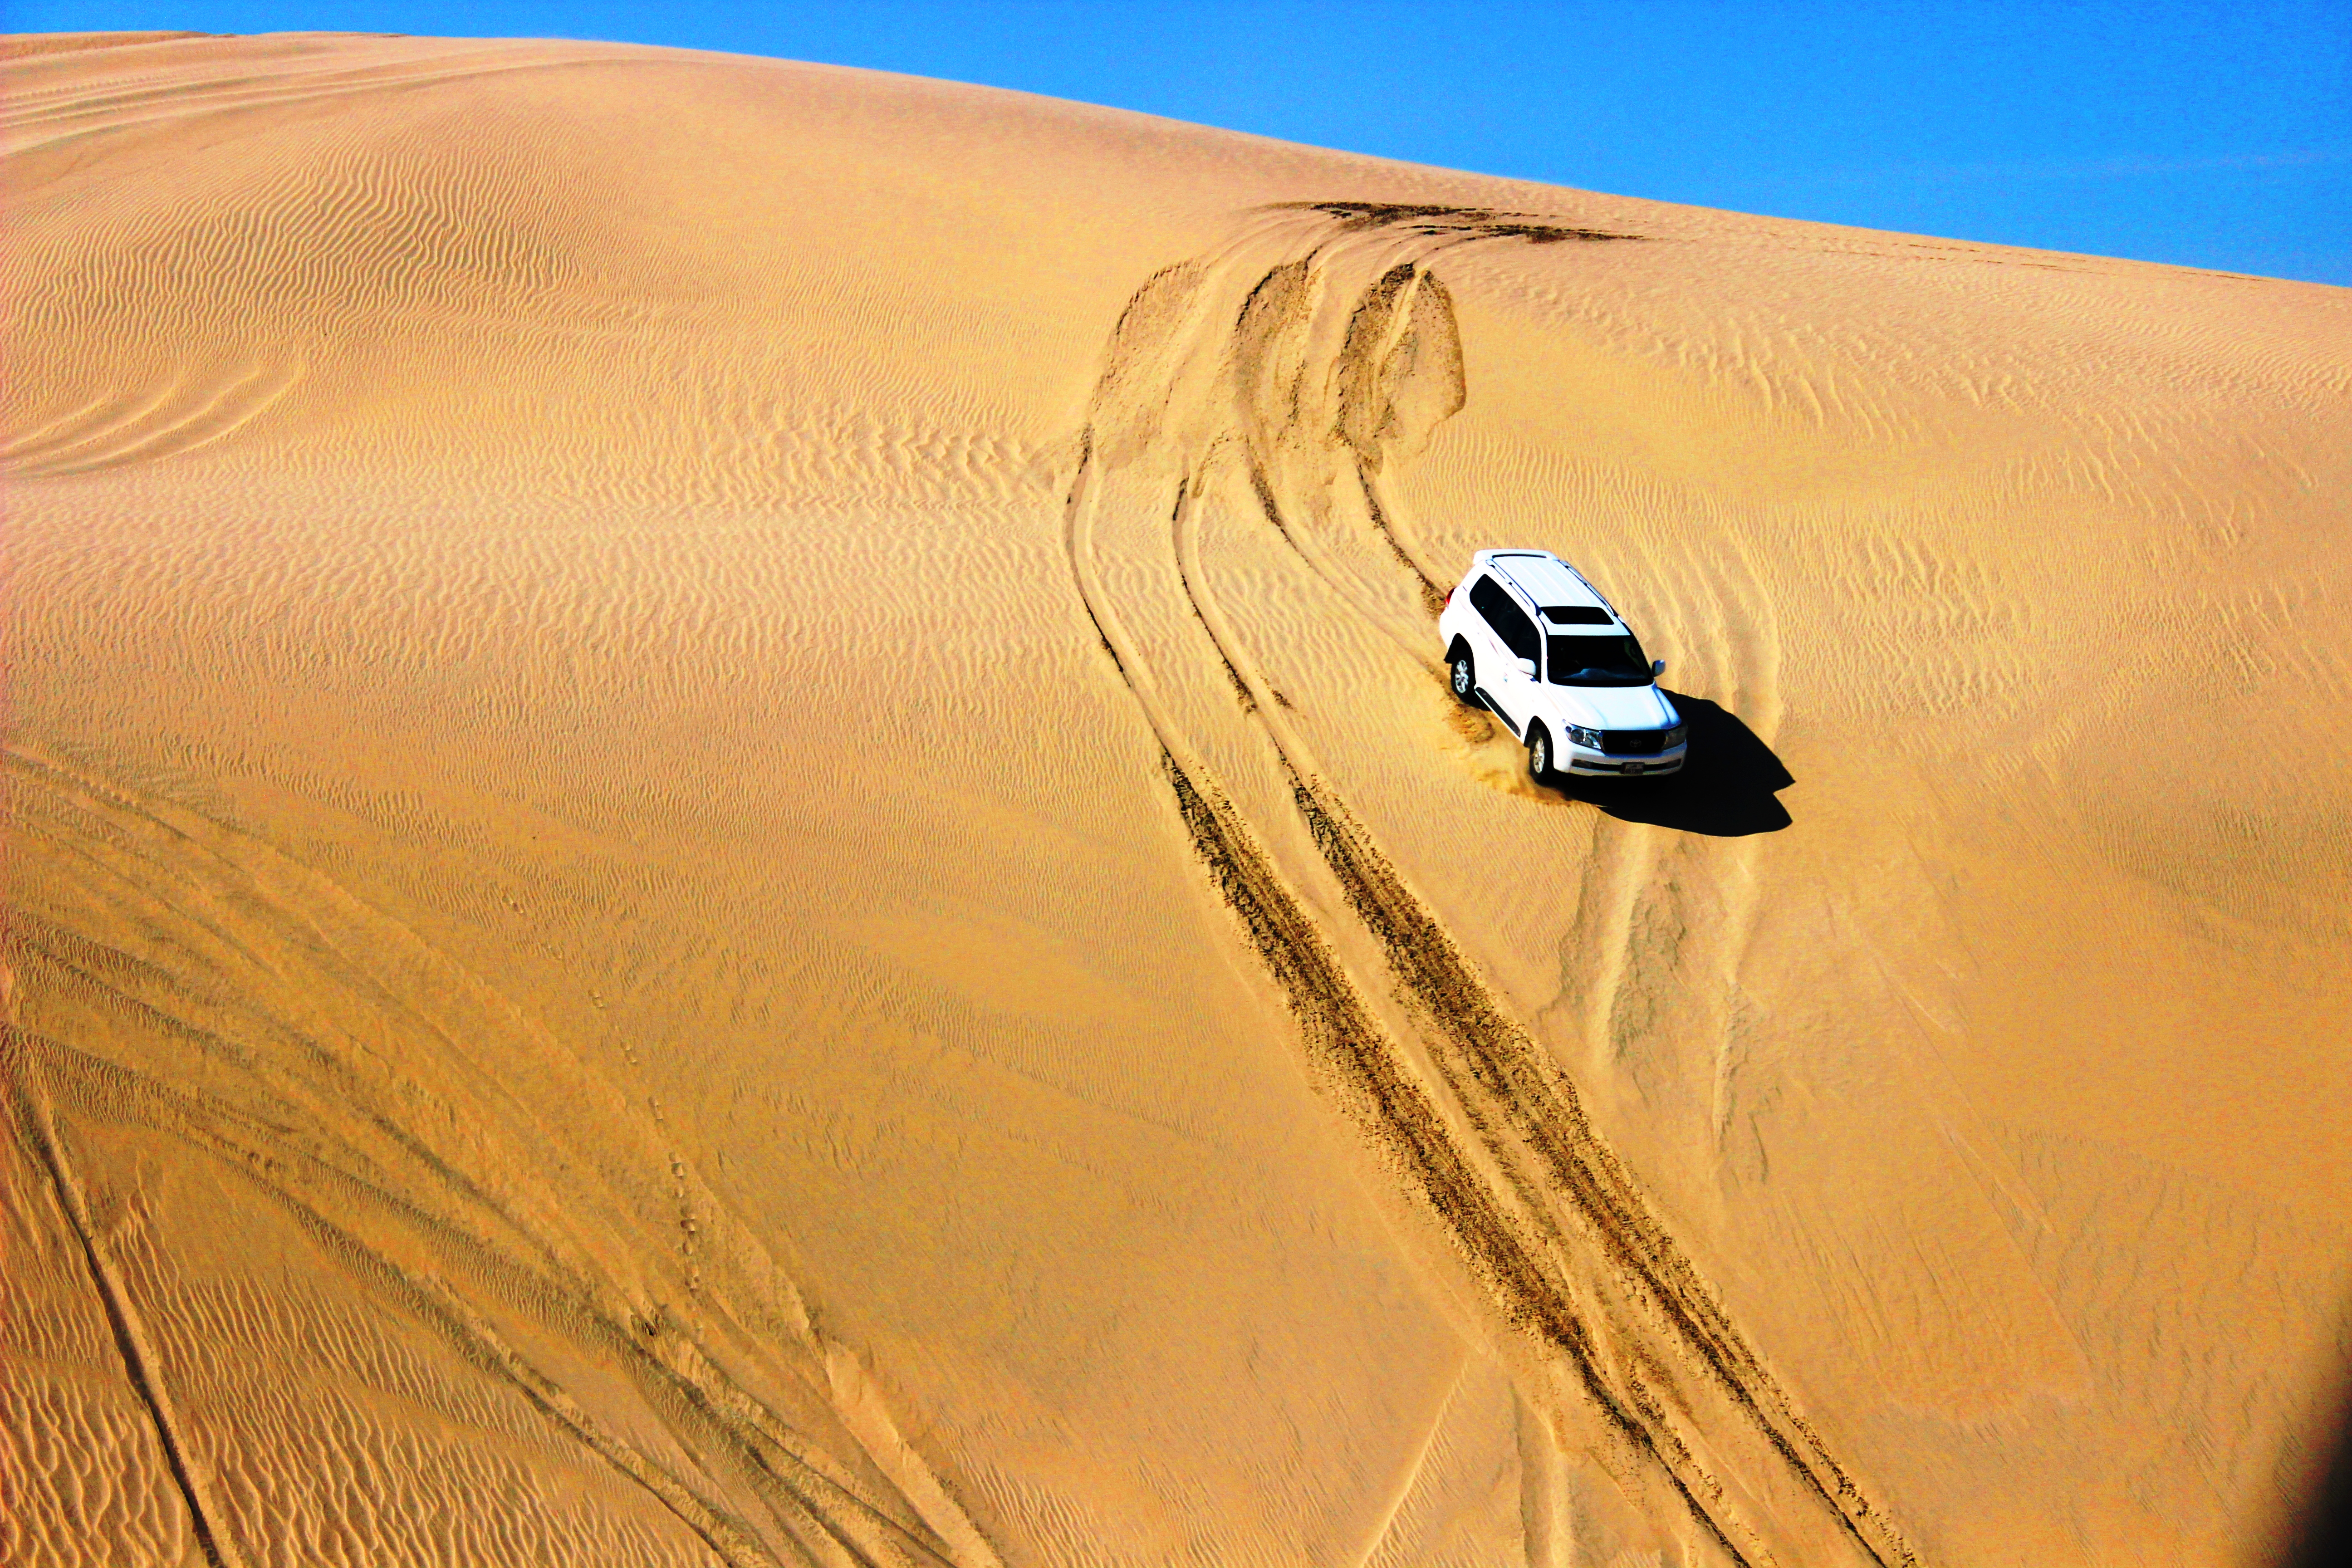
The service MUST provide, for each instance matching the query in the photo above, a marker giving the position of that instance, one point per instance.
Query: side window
(1484, 597)
(1510, 622)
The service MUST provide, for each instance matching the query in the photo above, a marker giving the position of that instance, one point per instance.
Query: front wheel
(1540, 756)
(1465, 677)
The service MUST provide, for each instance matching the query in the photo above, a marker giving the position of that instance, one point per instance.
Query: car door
(1511, 637)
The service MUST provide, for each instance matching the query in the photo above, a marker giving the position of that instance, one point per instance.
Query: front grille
(1632, 742)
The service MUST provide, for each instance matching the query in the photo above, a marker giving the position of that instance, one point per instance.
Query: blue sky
(2205, 134)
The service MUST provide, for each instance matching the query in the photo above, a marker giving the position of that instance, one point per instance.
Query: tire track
(1384, 1098)
(38, 1126)
(157, 936)
(1559, 1236)
(1503, 1081)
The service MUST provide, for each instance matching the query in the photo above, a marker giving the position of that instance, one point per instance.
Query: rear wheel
(1539, 756)
(1463, 676)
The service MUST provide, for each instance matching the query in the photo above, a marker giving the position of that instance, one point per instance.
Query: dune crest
(733, 836)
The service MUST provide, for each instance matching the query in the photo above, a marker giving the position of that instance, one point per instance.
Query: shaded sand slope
(732, 838)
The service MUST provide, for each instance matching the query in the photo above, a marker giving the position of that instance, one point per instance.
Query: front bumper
(1600, 765)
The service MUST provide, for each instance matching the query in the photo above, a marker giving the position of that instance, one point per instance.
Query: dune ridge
(733, 836)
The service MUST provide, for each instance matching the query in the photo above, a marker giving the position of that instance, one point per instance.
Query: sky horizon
(2192, 134)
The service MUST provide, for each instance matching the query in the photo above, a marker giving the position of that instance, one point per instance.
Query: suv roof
(1550, 583)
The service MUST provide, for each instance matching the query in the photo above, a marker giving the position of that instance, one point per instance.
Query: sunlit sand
(734, 836)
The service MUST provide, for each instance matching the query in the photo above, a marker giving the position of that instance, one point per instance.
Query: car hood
(1614, 706)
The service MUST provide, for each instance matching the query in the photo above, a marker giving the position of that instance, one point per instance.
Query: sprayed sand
(733, 837)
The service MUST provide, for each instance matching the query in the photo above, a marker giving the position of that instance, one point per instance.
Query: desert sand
(733, 837)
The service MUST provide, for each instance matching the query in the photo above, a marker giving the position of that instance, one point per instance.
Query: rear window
(1576, 614)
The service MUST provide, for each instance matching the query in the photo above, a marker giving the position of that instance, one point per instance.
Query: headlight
(1675, 736)
(1584, 736)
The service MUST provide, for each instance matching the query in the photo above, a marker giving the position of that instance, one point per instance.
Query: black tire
(1539, 756)
(1462, 674)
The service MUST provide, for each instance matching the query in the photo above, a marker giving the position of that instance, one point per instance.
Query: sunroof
(1576, 614)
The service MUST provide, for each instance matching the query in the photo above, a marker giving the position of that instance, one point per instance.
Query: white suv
(1529, 639)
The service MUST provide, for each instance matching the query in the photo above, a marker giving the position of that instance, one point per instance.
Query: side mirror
(1527, 668)
(1657, 668)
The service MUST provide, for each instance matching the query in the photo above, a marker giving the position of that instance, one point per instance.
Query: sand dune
(733, 837)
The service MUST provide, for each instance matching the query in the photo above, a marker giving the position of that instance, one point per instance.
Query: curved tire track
(455, 1201)
(1559, 1236)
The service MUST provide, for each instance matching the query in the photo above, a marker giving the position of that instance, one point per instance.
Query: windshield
(1597, 661)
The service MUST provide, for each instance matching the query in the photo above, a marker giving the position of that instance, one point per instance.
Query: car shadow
(1727, 787)
(2323, 1532)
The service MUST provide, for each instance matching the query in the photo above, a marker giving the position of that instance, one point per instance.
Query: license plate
(1636, 767)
